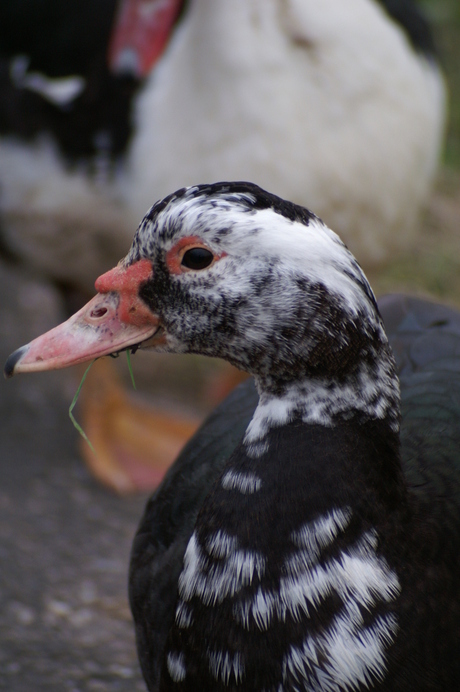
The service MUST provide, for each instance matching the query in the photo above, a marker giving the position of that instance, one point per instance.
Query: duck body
(293, 546)
(424, 338)
(340, 108)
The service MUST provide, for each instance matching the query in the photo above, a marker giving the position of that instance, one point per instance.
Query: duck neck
(291, 540)
(355, 464)
(332, 438)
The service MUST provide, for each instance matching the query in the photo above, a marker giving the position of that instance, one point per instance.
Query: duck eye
(197, 258)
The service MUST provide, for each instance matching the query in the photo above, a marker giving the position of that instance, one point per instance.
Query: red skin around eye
(175, 254)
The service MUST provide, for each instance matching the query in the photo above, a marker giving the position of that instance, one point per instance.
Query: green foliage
(130, 367)
(77, 393)
(444, 16)
(72, 406)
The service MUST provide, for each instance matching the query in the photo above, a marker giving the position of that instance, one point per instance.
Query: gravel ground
(64, 540)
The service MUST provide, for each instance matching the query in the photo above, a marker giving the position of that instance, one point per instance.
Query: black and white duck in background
(336, 106)
(298, 546)
(65, 125)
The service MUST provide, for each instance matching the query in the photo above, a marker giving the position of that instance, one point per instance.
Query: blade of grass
(72, 406)
(130, 367)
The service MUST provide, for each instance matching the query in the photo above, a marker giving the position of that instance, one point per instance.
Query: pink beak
(113, 320)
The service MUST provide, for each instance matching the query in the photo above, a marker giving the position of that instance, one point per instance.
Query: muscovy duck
(295, 544)
(336, 106)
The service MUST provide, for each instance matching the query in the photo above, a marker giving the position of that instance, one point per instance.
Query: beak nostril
(98, 312)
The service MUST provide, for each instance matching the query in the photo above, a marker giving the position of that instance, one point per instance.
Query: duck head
(229, 270)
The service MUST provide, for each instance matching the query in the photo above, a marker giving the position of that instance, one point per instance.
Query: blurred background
(445, 20)
(65, 537)
(432, 268)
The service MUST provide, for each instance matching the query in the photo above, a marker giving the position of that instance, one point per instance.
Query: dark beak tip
(12, 361)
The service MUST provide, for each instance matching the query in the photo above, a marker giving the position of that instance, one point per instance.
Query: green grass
(432, 267)
(444, 16)
(72, 406)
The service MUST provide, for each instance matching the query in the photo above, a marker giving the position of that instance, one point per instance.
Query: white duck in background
(337, 106)
(327, 103)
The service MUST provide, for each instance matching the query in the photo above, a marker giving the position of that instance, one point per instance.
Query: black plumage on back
(425, 338)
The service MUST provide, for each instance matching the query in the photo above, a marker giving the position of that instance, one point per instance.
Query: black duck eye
(197, 258)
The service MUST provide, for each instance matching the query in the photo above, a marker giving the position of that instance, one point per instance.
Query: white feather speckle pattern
(262, 610)
(246, 483)
(353, 656)
(220, 545)
(357, 574)
(351, 653)
(316, 535)
(225, 666)
(175, 663)
(212, 582)
(318, 402)
(184, 617)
